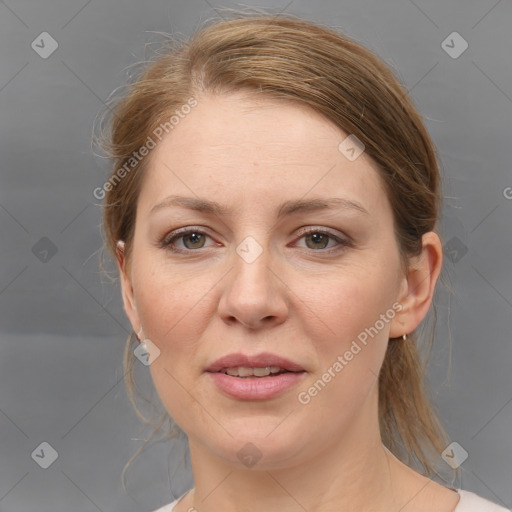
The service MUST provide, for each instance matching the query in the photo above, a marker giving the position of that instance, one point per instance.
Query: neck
(353, 472)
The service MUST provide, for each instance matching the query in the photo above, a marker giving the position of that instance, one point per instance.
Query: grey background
(62, 324)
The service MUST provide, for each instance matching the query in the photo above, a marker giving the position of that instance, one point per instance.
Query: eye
(318, 239)
(190, 239)
(187, 240)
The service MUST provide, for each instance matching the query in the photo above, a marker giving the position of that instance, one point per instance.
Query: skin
(299, 299)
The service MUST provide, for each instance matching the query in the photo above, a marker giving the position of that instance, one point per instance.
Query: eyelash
(168, 240)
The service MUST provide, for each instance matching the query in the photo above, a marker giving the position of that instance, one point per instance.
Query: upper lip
(255, 361)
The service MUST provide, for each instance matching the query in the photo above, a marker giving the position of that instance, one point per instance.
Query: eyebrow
(287, 208)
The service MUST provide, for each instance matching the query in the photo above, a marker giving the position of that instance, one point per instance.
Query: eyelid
(318, 229)
(343, 240)
(176, 233)
(167, 240)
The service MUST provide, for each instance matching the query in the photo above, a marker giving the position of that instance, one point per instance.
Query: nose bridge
(252, 293)
(251, 269)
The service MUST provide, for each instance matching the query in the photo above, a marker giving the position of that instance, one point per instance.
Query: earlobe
(419, 286)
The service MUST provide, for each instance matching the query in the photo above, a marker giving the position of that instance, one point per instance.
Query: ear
(127, 288)
(418, 286)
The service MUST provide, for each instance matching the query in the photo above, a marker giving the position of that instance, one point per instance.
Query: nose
(254, 295)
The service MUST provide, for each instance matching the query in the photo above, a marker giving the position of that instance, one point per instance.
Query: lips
(257, 361)
(244, 377)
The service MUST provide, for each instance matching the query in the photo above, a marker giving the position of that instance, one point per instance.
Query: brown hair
(287, 58)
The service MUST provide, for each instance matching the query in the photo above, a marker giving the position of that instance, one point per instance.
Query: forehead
(242, 149)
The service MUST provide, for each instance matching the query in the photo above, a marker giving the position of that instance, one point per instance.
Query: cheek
(338, 307)
(347, 320)
(172, 306)
(174, 309)
(328, 312)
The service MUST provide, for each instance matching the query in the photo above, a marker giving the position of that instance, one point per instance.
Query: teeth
(244, 371)
(261, 372)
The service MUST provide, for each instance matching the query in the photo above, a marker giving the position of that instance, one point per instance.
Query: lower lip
(255, 388)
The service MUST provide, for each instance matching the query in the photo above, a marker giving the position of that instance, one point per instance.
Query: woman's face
(299, 262)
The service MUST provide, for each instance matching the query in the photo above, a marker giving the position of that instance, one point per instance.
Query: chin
(261, 446)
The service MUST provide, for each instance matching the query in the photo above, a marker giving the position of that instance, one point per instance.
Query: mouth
(260, 365)
(259, 377)
(246, 372)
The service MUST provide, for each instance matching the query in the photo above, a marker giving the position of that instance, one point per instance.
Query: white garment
(469, 502)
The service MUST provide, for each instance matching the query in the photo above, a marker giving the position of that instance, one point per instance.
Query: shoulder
(170, 506)
(471, 502)
(167, 508)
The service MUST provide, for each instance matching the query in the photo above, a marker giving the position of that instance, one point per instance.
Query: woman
(272, 209)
